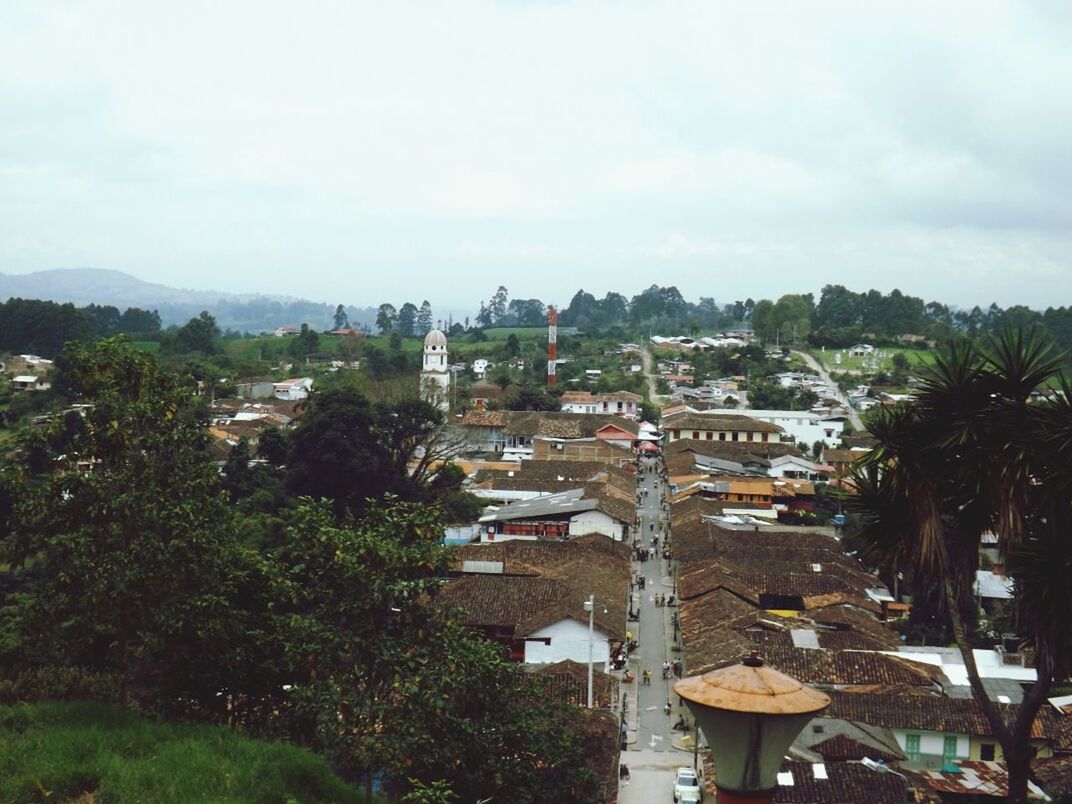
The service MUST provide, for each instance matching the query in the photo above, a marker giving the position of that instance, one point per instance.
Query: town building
(435, 371)
(293, 390)
(617, 403)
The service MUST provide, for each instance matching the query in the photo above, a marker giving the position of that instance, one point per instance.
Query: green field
(523, 333)
(152, 347)
(871, 365)
(90, 752)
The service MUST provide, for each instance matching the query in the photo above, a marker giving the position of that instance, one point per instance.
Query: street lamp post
(750, 715)
(590, 607)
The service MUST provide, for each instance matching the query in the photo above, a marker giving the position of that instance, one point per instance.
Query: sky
(366, 152)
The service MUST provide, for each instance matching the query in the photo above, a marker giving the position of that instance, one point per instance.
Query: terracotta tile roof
(578, 396)
(845, 783)
(484, 418)
(848, 668)
(841, 748)
(523, 557)
(1055, 776)
(927, 713)
(547, 424)
(719, 422)
(567, 682)
(708, 639)
(525, 603)
(740, 451)
(621, 396)
(552, 582)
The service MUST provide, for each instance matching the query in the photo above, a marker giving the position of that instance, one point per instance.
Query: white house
(28, 383)
(861, 350)
(480, 368)
(567, 639)
(293, 390)
(804, 426)
(286, 329)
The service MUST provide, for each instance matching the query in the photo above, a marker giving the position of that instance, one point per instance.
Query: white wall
(803, 426)
(595, 522)
(569, 640)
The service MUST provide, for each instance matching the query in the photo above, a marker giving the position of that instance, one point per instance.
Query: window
(949, 749)
(815, 729)
(736, 436)
(986, 752)
(710, 435)
(696, 435)
(912, 747)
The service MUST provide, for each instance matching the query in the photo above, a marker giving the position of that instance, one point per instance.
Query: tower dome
(435, 341)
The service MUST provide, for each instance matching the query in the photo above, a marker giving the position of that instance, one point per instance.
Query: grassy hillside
(89, 752)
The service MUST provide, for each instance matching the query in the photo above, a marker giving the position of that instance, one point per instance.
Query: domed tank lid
(752, 687)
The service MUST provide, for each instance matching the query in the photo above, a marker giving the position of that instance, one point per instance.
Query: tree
(483, 318)
(497, 306)
(407, 320)
(976, 454)
(128, 532)
(307, 342)
(424, 319)
(198, 335)
(351, 451)
(526, 313)
(342, 320)
(512, 345)
(386, 316)
(386, 682)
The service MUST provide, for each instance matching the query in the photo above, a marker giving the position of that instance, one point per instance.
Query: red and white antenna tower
(552, 343)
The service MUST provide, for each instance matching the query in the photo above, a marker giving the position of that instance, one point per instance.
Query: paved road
(815, 366)
(649, 374)
(650, 756)
(651, 776)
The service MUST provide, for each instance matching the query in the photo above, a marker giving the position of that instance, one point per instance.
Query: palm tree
(977, 453)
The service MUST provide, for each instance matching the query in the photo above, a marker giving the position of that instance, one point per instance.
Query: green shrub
(60, 751)
(58, 684)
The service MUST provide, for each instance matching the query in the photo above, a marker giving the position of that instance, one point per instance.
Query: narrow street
(651, 755)
(648, 362)
(815, 366)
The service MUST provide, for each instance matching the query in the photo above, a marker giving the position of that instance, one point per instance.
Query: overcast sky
(363, 152)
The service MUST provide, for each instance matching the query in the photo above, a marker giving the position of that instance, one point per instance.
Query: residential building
(529, 596)
(286, 329)
(805, 427)
(29, 383)
(515, 433)
(719, 427)
(617, 403)
(293, 390)
(559, 516)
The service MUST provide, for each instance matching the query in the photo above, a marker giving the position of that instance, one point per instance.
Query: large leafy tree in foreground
(120, 534)
(385, 681)
(976, 453)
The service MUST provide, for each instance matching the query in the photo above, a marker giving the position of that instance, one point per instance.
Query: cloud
(342, 147)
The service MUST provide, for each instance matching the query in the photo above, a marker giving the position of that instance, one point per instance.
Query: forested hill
(243, 312)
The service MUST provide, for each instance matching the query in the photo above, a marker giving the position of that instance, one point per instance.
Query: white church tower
(435, 373)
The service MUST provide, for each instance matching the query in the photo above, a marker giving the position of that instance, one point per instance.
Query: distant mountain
(252, 312)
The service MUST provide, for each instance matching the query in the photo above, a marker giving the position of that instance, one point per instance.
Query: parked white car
(687, 786)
